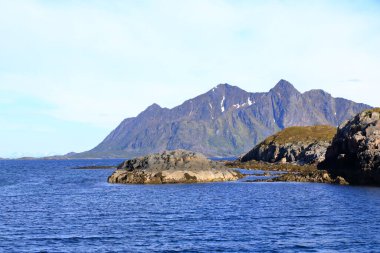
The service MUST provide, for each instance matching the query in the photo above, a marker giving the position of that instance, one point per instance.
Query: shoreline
(292, 172)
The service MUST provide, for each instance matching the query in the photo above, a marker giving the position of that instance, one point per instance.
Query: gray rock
(317, 176)
(300, 153)
(178, 166)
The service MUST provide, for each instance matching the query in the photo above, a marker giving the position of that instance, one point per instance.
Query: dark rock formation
(301, 145)
(177, 166)
(290, 172)
(317, 176)
(226, 121)
(355, 150)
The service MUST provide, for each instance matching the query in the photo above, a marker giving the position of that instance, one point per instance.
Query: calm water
(45, 206)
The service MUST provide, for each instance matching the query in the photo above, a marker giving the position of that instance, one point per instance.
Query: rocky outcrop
(317, 176)
(178, 166)
(355, 150)
(287, 172)
(301, 145)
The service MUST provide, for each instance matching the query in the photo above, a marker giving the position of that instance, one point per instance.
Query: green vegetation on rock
(307, 134)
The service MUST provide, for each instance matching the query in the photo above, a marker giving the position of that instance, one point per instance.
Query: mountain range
(226, 121)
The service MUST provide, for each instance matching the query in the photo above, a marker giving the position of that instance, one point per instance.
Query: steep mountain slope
(225, 121)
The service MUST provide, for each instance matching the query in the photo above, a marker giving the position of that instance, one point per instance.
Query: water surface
(45, 206)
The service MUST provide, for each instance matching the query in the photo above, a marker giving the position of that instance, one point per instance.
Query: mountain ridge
(224, 121)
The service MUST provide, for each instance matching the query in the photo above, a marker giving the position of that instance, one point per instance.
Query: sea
(48, 206)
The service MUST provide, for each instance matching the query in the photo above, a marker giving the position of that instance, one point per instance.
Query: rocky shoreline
(292, 172)
(352, 157)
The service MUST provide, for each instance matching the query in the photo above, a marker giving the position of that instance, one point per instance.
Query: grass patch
(309, 134)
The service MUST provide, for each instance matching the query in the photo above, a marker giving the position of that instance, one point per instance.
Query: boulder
(178, 166)
(355, 150)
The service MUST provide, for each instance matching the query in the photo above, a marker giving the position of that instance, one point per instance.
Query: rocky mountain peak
(223, 85)
(223, 88)
(153, 106)
(151, 110)
(226, 86)
(284, 87)
(225, 96)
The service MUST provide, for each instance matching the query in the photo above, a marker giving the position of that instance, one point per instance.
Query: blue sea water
(48, 207)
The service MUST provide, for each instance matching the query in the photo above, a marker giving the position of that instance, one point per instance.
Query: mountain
(225, 121)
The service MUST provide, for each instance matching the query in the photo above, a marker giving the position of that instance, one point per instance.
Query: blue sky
(70, 71)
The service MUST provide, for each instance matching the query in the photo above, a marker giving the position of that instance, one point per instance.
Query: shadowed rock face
(177, 166)
(355, 150)
(225, 121)
(301, 145)
(317, 176)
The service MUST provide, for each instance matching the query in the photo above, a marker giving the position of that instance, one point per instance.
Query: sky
(71, 71)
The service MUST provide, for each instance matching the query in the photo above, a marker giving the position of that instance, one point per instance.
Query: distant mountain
(225, 121)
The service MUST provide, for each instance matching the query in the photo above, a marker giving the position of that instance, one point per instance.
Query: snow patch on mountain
(222, 104)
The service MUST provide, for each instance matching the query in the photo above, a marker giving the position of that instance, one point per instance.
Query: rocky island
(300, 145)
(178, 166)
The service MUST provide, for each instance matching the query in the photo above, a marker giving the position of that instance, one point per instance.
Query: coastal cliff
(355, 149)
